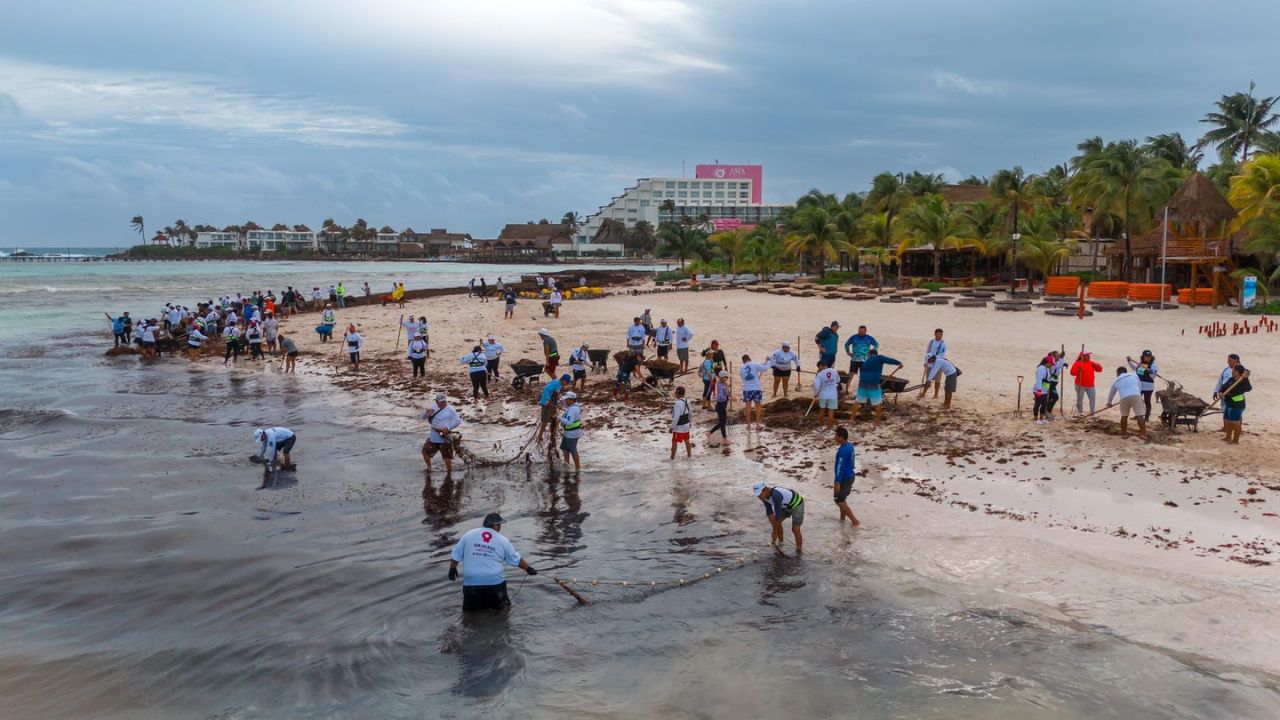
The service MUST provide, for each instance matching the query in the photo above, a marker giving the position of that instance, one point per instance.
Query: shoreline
(1069, 519)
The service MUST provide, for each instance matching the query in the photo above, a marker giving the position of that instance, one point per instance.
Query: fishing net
(521, 448)
(588, 590)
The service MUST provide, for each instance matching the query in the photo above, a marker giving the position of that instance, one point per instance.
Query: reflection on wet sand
(561, 530)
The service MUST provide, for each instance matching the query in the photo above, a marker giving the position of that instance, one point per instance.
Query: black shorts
(782, 373)
(293, 353)
(287, 445)
(843, 493)
(855, 366)
(485, 597)
(580, 374)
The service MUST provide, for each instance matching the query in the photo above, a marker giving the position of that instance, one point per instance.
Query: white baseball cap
(757, 488)
(543, 331)
(441, 397)
(571, 395)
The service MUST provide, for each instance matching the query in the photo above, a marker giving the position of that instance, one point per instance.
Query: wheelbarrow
(665, 376)
(599, 360)
(1178, 407)
(525, 374)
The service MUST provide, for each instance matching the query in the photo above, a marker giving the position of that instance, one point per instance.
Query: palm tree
(920, 184)
(182, 230)
(1040, 256)
(1123, 178)
(613, 231)
(644, 237)
(887, 195)
(877, 257)
(1220, 174)
(1174, 150)
(815, 238)
(1263, 242)
(733, 243)
(681, 240)
(1089, 149)
(1014, 191)
(139, 226)
(816, 198)
(1241, 120)
(765, 251)
(571, 222)
(669, 207)
(932, 223)
(1255, 192)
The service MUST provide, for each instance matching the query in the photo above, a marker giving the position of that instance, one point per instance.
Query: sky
(471, 115)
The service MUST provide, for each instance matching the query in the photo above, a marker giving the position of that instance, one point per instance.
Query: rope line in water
(675, 582)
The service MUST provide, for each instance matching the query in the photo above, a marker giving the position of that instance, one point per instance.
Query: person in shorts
(683, 335)
(826, 392)
(571, 429)
(290, 350)
(779, 504)
(444, 420)
(870, 375)
(1129, 389)
(681, 424)
(626, 365)
(844, 474)
(550, 353)
(752, 391)
(1233, 413)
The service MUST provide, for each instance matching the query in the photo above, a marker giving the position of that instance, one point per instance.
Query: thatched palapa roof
(1198, 201)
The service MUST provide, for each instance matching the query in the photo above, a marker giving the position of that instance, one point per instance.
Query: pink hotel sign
(754, 173)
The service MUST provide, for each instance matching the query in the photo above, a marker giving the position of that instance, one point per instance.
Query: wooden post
(1195, 281)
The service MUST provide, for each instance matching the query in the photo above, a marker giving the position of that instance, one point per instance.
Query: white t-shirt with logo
(483, 552)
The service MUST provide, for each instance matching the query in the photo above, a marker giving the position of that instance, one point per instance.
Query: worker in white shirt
(664, 336)
(418, 327)
(492, 353)
(483, 552)
(354, 341)
(937, 347)
(681, 424)
(556, 300)
(751, 389)
(417, 354)
(579, 359)
(443, 419)
(194, 340)
(1129, 389)
(826, 393)
(636, 336)
(940, 368)
(782, 360)
(683, 335)
(276, 440)
(571, 429)
(478, 368)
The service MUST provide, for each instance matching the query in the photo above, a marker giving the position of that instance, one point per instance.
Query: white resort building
(726, 196)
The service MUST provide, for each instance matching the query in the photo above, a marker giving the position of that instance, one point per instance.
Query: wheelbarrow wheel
(518, 383)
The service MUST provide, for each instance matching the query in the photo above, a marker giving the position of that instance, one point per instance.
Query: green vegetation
(1271, 307)
(170, 252)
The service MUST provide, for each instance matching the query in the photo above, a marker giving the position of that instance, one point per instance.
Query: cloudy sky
(468, 115)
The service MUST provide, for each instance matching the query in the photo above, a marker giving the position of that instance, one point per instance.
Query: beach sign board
(1249, 294)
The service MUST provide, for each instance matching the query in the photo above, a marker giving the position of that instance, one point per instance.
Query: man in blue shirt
(869, 377)
(484, 552)
(858, 347)
(550, 403)
(844, 476)
(828, 341)
(779, 504)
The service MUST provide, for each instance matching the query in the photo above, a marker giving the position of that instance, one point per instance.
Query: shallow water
(144, 575)
(36, 298)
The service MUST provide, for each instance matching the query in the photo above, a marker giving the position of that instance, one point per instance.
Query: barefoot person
(681, 424)
(354, 341)
(844, 476)
(826, 392)
(1129, 389)
(277, 440)
(550, 354)
(752, 392)
(1146, 369)
(779, 504)
(548, 403)
(1224, 381)
(290, 350)
(443, 419)
(483, 552)
(942, 370)
(936, 348)
(579, 359)
(858, 347)
(636, 336)
(509, 300)
(664, 338)
(493, 355)
(869, 393)
(683, 335)
(782, 361)
(721, 394)
(1233, 414)
(571, 429)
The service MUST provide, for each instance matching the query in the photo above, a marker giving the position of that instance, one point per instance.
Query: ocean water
(143, 574)
(62, 298)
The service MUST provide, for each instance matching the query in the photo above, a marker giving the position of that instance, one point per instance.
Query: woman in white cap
(571, 426)
(443, 419)
(782, 361)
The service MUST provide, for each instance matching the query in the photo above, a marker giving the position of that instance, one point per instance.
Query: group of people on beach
(1133, 390)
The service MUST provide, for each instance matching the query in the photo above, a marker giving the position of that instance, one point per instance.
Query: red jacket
(1084, 370)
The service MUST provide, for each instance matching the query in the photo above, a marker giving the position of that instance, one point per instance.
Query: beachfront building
(718, 196)
(218, 239)
(280, 238)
